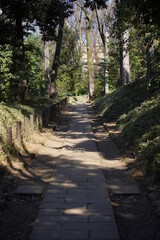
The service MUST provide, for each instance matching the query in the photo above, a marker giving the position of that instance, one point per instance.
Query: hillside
(10, 113)
(136, 110)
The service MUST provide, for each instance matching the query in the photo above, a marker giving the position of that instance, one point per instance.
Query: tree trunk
(80, 35)
(104, 38)
(56, 59)
(121, 60)
(20, 33)
(46, 60)
(95, 54)
(22, 86)
(125, 77)
(149, 52)
(126, 64)
(89, 55)
(106, 56)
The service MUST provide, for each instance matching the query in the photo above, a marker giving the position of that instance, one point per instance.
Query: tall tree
(147, 16)
(56, 59)
(48, 25)
(143, 15)
(46, 60)
(104, 34)
(89, 20)
(125, 77)
(18, 11)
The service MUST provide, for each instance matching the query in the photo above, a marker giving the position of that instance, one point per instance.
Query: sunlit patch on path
(77, 204)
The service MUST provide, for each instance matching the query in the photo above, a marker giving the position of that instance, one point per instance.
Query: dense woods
(119, 40)
(55, 48)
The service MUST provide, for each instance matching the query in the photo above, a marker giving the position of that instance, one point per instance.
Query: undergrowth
(136, 109)
(10, 113)
(41, 103)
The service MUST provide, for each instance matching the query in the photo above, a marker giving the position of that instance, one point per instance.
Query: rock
(154, 196)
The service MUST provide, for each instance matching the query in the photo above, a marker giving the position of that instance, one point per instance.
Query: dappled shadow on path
(81, 139)
(72, 174)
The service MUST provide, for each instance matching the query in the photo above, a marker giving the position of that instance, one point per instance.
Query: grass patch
(10, 113)
(136, 109)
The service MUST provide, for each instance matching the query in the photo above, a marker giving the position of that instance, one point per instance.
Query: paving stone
(96, 179)
(89, 226)
(104, 235)
(99, 200)
(45, 234)
(92, 190)
(58, 205)
(96, 172)
(77, 211)
(29, 189)
(101, 187)
(98, 194)
(77, 189)
(100, 212)
(43, 224)
(74, 218)
(57, 197)
(101, 219)
(59, 185)
(106, 205)
(76, 199)
(60, 179)
(77, 194)
(56, 190)
(53, 200)
(48, 218)
(50, 212)
(75, 235)
(76, 204)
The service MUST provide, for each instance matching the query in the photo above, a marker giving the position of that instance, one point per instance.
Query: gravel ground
(17, 217)
(135, 218)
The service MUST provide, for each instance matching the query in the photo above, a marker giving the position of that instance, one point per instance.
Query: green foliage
(71, 79)
(9, 114)
(143, 35)
(17, 20)
(137, 55)
(99, 86)
(40, 103)
(113, 64)
(5, 70)
(34, 70)
(49, 13)
(10, 73)
(122, 100)
(137, 112)
(154, 81)
(141, 129)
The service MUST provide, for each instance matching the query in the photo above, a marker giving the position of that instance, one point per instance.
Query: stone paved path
(77, 205)
(119, 179)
